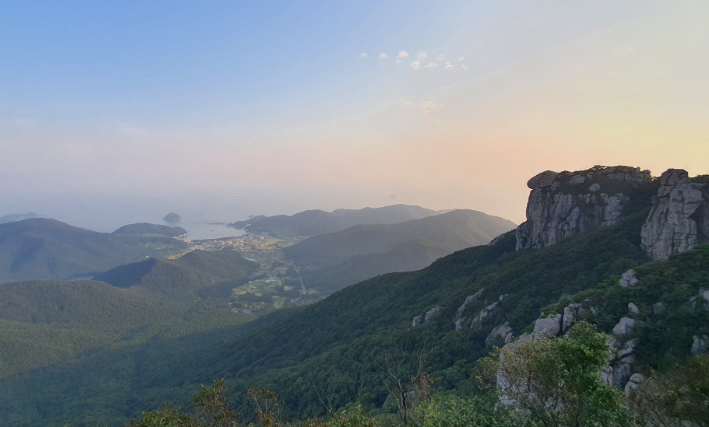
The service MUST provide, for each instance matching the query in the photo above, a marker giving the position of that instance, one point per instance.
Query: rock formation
(503, 331)
(425, 318)
(679, 218)
(628, 279)
(569, 203)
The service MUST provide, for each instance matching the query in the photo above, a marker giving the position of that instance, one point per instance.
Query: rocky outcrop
(625, 327)
(700, 344)
(679, 219)
(633, 383)
(633, 308)
(628, 279)
(432, 314)
(569, 203)
(702, 298)
(503, 332)
(425, 318)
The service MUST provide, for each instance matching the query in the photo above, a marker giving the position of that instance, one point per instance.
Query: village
(276, 284)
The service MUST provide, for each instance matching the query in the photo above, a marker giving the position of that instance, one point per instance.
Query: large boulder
(548, 327)
(633, 383)
(625, 327)
(503, 331)
(628, 279)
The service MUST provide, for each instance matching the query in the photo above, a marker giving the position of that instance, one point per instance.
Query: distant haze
(115, 112)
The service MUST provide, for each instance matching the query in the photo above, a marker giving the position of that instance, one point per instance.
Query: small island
(145, 229)
(172, 217)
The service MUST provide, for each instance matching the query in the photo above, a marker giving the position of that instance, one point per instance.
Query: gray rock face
(429, 316)
(702, 298)
(565, 204)
(679, 219)
(549, 327)
(699, 344)
(633, 383)
(461, 320)
(486, 312)
(570, 313)
(503, 331)
(621, 373)
(432, 314)
(624, 327)
(633, 308)
(418, 321)
(628, 279)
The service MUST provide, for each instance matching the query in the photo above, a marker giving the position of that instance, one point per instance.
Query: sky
(116, 111)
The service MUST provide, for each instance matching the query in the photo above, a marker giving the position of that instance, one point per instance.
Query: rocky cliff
(569, 203)
(679, 219)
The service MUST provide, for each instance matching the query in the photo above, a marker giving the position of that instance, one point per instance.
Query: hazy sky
(323, 104)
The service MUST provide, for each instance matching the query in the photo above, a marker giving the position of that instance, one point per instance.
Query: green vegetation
(337, 344)
(554, 383)
(45, 249)
(46, 322)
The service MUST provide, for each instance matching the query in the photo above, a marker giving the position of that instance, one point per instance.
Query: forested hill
(47, 322)
(144, 228)
(39, 248)
(364, 251)
(349, 330)
(197, 271)
(313, 222)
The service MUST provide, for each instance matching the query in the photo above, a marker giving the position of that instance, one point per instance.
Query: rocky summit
(568, 203)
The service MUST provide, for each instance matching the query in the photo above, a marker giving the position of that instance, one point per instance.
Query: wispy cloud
(430, 65)
(383, 55)
(363, 55)
(441, 58)
(401, 56)
(465, 68)
(461, 58)
(416, 65)
(421, 55)
(449, 66)
(424, 108)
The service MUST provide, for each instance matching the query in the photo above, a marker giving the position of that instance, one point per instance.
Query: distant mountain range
(41, 249)
(143, 228)
(363, 251)
(314, 222)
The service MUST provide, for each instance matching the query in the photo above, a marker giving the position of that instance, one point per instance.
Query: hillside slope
(192, 272)
(364, 251)
(46, 249)
(450, 310)
(349, 330)
(455, 230)
(313, 222)
(46, 322)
